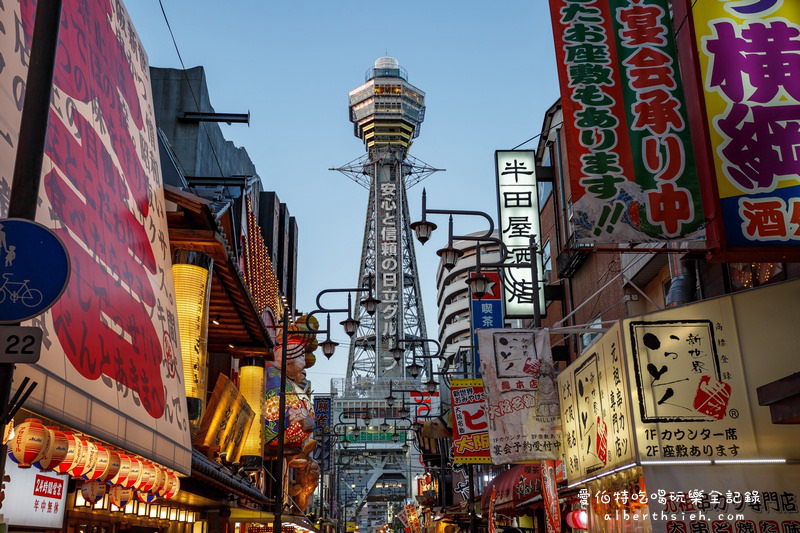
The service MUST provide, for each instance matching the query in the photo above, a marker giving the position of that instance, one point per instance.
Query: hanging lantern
(101, 465)
(173, 487)
(113, 466)
(124, 470)
(135, 474)
(30, 443)
(120, 496)
(93, 491)
(191, 272)
(8, 432)
(252, 383)
(148, 477)
(161, 489)
(89, 459)
(72, 449)
(578, 519)
(56, 452)
(146, 497)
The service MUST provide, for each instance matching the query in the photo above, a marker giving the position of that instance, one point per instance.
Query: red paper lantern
(87, 461)
(163, 484)
(134, 475)
(578, 519)
(124, 470)
(56, 451)
(72, 449)
(149, 472)
(113, 466)
(173, 487)
(30, 443)
(101, 465)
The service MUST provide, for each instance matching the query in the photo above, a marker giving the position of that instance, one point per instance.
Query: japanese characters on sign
(522, 396)
(749, 59)
(112, 338)
(322, 416)
(487, 312)
(226, 421)
(632, 171)
(470, 423)
(519, 221)
(413, 518)
(34, 498)
(389, 269)
(595, 410)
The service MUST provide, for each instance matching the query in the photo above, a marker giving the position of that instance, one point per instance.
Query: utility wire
(538, 135)
(191, 91)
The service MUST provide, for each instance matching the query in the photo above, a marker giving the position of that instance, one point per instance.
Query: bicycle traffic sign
(34, 269)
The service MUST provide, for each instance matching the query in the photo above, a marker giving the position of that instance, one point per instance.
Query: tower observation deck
(387, 112)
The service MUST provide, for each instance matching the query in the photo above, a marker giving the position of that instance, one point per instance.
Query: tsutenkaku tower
(387, 112)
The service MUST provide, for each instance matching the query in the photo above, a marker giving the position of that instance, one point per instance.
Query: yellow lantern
(191, 272)
(30, 443)
(252, 384)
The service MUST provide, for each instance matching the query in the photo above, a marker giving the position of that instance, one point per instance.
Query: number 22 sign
(20, 344)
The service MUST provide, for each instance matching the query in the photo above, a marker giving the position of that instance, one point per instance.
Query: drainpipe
(683, 286)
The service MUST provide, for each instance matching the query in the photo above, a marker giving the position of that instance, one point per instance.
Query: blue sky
(488, 70)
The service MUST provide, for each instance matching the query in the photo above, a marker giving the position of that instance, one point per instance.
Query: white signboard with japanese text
(518, 210)
(34, 498)
(521, 395)
(595, 410)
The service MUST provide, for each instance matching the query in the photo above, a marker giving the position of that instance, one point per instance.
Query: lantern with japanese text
(56, 452)
(113, 466)
(72, 449)
(100, 466)
(124, 470)
(120, 496)
(89, 459)
(93, 491)
(251, 384)
(8, 432)
(148, 477)
(163, 484)
(135, 473)
(30, 443)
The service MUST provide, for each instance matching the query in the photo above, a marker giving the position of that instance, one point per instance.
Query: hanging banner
(470, 423)
(595, 410)
(110, 364)
(518, 210)
(749, 61)
(631, 162)
(550, 496)
(522, 398)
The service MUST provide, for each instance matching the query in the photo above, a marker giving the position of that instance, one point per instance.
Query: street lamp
(423, 228)
(431, 385)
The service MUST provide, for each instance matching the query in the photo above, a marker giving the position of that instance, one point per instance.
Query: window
(547, 262)
(749, 275)
(588, 338)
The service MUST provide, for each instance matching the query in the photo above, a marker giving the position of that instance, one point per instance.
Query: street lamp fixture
(405, 448)
(431, 385)
(479, 285)
(384, 427)
(395, 436)
(423, 228)
(450, 256)
(414, 369)
(404, 411)
(350, 324)
(390, 400)
(397, 352)
(328, 346)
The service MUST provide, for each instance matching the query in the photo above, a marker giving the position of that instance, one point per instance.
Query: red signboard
(470, 423)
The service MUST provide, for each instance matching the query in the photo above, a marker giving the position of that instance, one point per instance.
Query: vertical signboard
(748, 55)
(518, 208)
(547, 470)
(322, 416)
(487, 313)
(631, 165)
(470, 423)
(522, 398)
(595, 410)
(110, 363)
(389, 265)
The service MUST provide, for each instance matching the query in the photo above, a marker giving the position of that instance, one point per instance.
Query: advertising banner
(110, 363)
(470, 423)
(550, 496)
(413, 518)
(595, 410)
(34, 498)
(487, 312)
(631, 163)
(518, 210)
(522, 396)
(748, 61)
(226, 421)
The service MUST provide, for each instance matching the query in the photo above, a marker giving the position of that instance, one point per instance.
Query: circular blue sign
(34, 269)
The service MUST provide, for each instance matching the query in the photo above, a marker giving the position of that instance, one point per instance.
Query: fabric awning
(514, 486)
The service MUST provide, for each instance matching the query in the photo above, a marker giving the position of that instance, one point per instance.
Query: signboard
(631, 163)
(110, 363)
(550, 496)
(388, 265)
(20, 344)
(761, 498)
(322, 416)
(522, 397)
(595, 410)
(747, 54)
(34, 498)
(226, 421)
(413, 518)
(34, 269)
(487, 312)
(470, 423)
(518, 208)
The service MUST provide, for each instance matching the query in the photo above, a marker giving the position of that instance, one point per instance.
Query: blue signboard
(322, 416)
(34, 269)
(486, 313)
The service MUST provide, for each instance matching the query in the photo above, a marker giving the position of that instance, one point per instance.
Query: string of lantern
(102, 468)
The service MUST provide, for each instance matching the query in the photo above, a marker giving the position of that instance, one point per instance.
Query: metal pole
(278, 492)
(537, 311)
(30, 145)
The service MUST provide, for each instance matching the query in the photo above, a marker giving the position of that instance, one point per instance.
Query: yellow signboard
(226, 421)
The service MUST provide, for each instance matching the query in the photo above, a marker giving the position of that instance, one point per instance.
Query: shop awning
(514, 486)
(207, 470)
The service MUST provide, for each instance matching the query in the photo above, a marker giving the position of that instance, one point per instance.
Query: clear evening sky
(487, 68)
